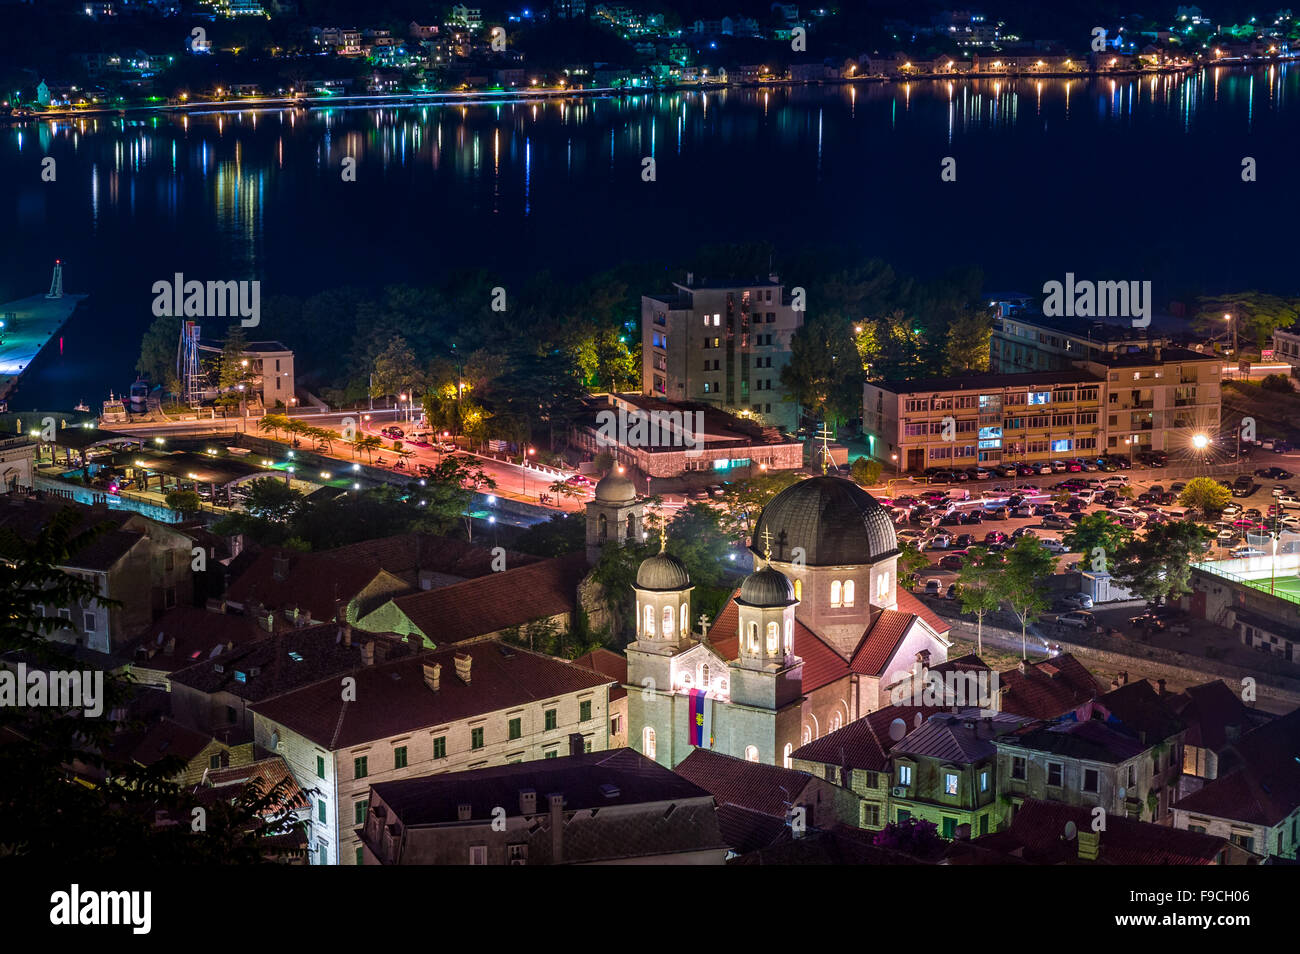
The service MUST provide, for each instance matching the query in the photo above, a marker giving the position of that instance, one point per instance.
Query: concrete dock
(29, 324)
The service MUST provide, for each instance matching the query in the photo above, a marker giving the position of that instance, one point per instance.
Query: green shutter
(320, 766)
(360, 809)
(320, 813)
(440, 747)
(359, 767)
(399, 757)
(516, 728)
(584, 711)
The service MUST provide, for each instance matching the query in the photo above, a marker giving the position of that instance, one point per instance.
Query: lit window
(798, 589)
(848, 592)
(835, 593)
(649, 621)
(773, 637)
(950, 783)
(751, 753)
(786, 760)
(648, 742)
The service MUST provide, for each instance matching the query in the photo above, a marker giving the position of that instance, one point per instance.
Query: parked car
(932, 587)
(1289, 499)
(964, 540)
(1056, 521)
(995, 536)
(1274, 473)
(940, 541)
(1077, 619)
(1023, 532)
(1052, 545)
(1079, 601)
(392, 431)
(951, 592)
(1280, 489)
(952, 562)
(1242, 553)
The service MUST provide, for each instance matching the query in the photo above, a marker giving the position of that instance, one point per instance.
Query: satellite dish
(1070, 830)
(897, 729)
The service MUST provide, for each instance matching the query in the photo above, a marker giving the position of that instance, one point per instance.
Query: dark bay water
(1132, 178)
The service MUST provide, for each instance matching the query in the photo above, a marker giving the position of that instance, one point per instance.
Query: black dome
(767, 587)
(835, 521)
(662, 572)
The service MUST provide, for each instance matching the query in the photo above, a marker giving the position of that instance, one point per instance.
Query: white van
(1177, 513)
(958, 493)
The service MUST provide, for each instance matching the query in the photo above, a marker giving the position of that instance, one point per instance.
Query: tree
(234, 374)
(977, 587)
(967, 345)
(396, 370)
(914, 836)
(273, 423)
(1279, 383)
(1093, 531)
(911, 561)
(1022, 580)
(1158, 567)
(866, 471)
(114, 819)
(272, 499)
(183, 501)
(1206, 495)
(744, 500)
(824, 373)
(1255, 314)
(158, 349)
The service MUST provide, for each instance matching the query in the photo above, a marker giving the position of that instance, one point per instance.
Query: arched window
(773, 638)
(631, 526)
(798, 589)
(753, 637)
(751, 753)
(648, 742)
(807, 734)
(786, 760)
(602, 527)
(835, 721)
(835, 593)
(789, 637)
(668, 621)
(704, 678)
(650, 621)
(848, 592)
(882, 586)
(686, 623)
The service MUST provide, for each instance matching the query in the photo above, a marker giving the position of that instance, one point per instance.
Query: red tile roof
(880, 642)
(607, 663)
(315, 583)
(168, 738)
(822, 665)
(197, 633)
(267, 773)
(1209, 710)
(393, 699)
(908, 603)
(409, 554)
(497, 601)
(1036, 834)
(1037, 693)
(768, 789)
(1264, 789)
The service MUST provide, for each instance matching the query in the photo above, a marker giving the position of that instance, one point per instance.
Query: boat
(139, 396)
(114, 410)
(82, 407)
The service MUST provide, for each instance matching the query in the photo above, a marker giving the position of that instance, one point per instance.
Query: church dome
(767, 587)
(835, 521)
(615, 488)
(662, 572)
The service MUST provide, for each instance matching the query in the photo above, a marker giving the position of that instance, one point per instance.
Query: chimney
(1089, 845)
(433, 676)
(415, 642)
(347, 635)
(280, 566)
(368, 653)
(528, 801)
(463, 662)
(556, 801)
(1022, 666)
(1160, 684)
(575, 743)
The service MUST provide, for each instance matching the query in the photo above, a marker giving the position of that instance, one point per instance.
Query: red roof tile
(822, 665)
(497, 601)
(196, 633)
(1264, 789)
(1041, 695)
(1036, 834)
(315, 583)
(768, 789)
(880, 642)
(168, 738)
(393, 699)
(607, 663)
(908, 603)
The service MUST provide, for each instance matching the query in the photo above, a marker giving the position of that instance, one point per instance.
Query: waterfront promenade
(29, 324)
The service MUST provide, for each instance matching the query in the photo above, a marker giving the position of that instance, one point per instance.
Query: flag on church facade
(701, 719)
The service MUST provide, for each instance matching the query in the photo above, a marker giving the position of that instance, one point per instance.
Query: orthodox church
(814, 638)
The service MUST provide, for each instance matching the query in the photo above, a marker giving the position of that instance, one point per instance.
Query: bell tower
(615, 515)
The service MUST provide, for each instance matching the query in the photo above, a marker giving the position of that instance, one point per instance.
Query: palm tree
(273, 423)
(369, 444)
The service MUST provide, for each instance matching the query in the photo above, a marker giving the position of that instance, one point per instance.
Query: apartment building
(1286, 347)
(487, 704)
(973, 420)
(722, 344)
(1158, 399)
(1027, 341)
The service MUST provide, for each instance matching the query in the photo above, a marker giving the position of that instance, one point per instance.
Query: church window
(786, 760)
(631, 526)
(835, 721)
(751, 753)
(773, 637)
(602, 525)
(753, 637)
(648, 742)
(668, 621)
(650, 621)
(882, 586)
(704, 679)
(807, 735)
(686, 623)
(789, 637)
(848, 592)
(798, 589)
(836, 589)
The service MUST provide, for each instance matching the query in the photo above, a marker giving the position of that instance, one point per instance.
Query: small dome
(662, 572)
(767, 587)
(615, 488)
